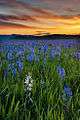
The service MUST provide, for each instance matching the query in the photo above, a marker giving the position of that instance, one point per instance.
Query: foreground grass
(46, 100)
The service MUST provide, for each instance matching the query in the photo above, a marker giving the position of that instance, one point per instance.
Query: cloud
(37, 19)
(9, 24)
(38, 11)
(17, 18)
(70, 9)
(33, 8)
(42, 33)
(19, 5)
(14, 25)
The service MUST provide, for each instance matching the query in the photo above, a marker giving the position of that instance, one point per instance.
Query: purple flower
(58, 51)
(5, 72)
(33, 44)
(20, 66)
(61, 71)
(20, 53)
(14, 71)
(67, 90)
(52, 53)
(12, 68)
(39, 50)
(77, 55)
(30, 57)
(10, 56)
(45, 48)
(32, 50)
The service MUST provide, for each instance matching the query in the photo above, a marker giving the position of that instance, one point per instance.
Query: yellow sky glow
(56, 26)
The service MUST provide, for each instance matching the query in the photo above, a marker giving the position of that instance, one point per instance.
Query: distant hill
(31, 37)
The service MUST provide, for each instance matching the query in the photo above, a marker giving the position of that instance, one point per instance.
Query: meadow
(39, 82)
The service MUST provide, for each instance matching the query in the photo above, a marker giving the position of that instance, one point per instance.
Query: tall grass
(47, 99)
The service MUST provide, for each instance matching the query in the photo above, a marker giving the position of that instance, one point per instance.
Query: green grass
(45, 101)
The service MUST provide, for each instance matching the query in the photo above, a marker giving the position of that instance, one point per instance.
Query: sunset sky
(39, 17)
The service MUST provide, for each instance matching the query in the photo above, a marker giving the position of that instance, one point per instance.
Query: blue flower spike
(61, 71)
(67, 90)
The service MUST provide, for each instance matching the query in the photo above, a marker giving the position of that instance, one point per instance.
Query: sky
(39, 17)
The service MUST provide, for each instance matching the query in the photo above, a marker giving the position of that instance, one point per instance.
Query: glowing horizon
(38, 17)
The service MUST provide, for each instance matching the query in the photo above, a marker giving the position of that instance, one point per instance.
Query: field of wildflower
(39, 82)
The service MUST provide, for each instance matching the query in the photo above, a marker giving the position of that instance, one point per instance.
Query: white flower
(28, 83)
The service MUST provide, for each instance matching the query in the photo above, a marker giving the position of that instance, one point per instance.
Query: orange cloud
(69, 25)
(41, 22)
(17, 18)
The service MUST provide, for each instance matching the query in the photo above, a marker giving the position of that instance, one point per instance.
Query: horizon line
(39, 34)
